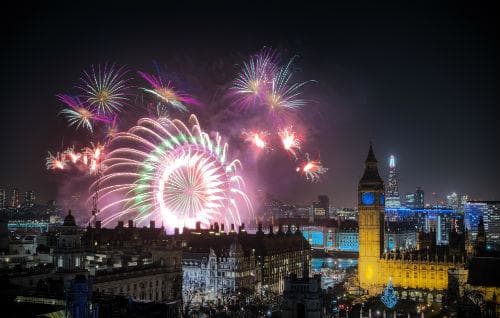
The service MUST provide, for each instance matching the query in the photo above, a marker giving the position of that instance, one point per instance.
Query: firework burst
(55, 162)
(168, 172)
(254, 78)
(283, 95)
(77, 114)
(166, 92)
(290, 140)
(257, 138)
(105, 88)
(312, 169)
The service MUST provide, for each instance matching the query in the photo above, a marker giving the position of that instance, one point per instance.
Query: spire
(371, 178)
(371, 156)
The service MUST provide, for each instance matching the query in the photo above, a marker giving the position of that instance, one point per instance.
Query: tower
(371, 224)
(3, 199)
(14, 202)
(392, 196)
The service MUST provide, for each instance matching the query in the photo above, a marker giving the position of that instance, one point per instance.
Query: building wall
(369, 245)
(216, 277)
(158, 284)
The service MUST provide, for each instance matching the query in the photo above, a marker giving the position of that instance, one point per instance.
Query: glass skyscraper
(490, 212)
(392, 191)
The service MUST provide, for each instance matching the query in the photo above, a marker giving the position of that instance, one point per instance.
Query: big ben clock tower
(371, 224)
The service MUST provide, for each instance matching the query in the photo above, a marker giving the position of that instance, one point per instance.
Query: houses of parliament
(424, 268)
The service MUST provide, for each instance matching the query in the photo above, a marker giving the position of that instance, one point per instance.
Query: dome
(69, 220)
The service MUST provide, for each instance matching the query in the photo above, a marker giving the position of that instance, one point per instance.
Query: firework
(290, 141)
(168, 172)
(105, 88)
(77, 114)
(93, 157)
(166, 92)
(55, 162)
(312, 169)
(73, 156)
(111, 129)
(256, 138)
(283, 94)
(254, 78)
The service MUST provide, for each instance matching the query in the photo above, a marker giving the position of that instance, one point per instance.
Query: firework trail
(73, 156)
(55, 162)
(254, 78)
(257, 138)
(77, 114)
(105, 88)
(168, 172)
(112, 129)
(312, 169)
(94, 155)
(283, 95)
(166, 92)
(290, 140)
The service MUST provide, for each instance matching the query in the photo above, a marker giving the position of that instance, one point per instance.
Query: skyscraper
(29, 198)
(419, 198)
(410, 200)
(392, 192)
(14, 202)
(321, 209)
(3, 199)
(489, 213)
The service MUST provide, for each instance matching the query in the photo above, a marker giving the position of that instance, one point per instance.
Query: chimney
(151, 224)
(120, 224)
(130, 224)
(176, 231)
(97, 224)
(198, 226)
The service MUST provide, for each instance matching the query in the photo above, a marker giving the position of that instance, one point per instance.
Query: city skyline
(443, 111)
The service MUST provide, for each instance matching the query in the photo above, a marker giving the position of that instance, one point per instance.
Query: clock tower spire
(371, 223)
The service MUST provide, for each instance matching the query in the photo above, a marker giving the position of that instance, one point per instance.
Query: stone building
(138, 263)
(218, 268)
(418, 269)
(276, 254)
(302, 297)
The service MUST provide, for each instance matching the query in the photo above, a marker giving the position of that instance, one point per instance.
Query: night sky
(419, 81)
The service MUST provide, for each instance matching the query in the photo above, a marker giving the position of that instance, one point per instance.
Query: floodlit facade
(426, 269)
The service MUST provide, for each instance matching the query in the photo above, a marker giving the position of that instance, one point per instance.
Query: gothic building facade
(417, 269)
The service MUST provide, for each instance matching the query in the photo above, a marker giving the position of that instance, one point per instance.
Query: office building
(392, 192)
(489, 211)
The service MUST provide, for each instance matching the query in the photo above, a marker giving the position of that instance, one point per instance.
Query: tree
(389, 297)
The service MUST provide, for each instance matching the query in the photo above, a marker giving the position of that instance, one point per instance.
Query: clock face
(368, 198)
(382, 199)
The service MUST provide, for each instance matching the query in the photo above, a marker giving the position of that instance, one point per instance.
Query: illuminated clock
(368, 198)
(382, 199)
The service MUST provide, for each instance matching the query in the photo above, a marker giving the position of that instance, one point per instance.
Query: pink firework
(290, 140)
(93, 156)
(257, 138)
(166, 92)
(55, 162)
(312, 169)
(254, 78)
(73, 156)
(78, 114)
